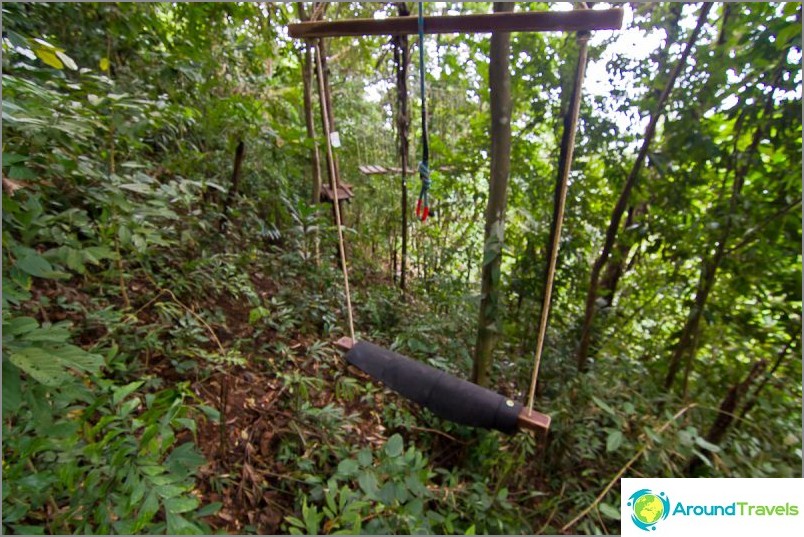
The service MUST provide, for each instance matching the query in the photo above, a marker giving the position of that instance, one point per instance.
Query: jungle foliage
(167, 329)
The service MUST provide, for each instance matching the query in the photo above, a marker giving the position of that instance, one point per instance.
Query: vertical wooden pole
(401, 61)
(500, 97)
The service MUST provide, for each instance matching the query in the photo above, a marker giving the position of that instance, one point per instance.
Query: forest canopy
(173, 286)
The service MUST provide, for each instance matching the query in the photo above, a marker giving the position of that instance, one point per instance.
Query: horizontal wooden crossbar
(577, 20)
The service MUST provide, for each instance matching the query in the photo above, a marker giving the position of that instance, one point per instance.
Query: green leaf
(136, 187)
(169, 491)
(66, 60)
(40, 365)
(606, 408)
(49, 57)
(13, 158)
(35, 265)
(178, 525)
(124, 391)
(209, 509)
(21, 173)
(609, 511)
(12, 394)
(387, 493)
(470, 530)
(181, 505)
(368, 483)
(20, 325)
(614, 441)
(701, 441)
(348, 467)
(394, 446)
(364, 457)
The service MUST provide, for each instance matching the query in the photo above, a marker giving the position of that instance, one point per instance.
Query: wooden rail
(577, 20)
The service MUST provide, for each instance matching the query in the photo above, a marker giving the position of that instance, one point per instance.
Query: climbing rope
(334, 184)
(565, 165)
(423, 205)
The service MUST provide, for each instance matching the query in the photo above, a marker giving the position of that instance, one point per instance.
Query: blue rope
(422, 207)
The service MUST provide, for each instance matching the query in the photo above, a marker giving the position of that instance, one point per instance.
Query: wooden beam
(577, 20)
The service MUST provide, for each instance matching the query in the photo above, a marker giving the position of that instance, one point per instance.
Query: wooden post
(401, 61)
(490, 311)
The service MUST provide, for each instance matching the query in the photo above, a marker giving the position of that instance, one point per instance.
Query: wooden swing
(447, 396)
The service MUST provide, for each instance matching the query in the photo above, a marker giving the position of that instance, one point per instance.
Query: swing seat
(446, 396)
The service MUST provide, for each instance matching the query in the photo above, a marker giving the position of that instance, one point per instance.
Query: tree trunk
(616, 266)
(401, 61)
(307, 79)
(752, 400)
(326, 104)
(684, 352)
(240, 151)
(625, 194)
(500, 96)
(727, 412)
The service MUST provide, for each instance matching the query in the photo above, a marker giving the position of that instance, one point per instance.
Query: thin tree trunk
(500, 96)
(625, 194)
(401, 61)
(234, 187)
(684, 352)
(328, 98)
(617, 266)
(323, 97)
(307, 79)
(727, 412)
(752, 400)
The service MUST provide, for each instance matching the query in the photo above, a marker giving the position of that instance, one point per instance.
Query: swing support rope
(568, 143)
(334, 184)
(423, 204)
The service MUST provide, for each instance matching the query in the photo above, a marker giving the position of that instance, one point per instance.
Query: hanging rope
(334, 184)
(565, 165)
(423, 205)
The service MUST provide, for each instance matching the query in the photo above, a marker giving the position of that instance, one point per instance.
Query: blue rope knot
(424, 174)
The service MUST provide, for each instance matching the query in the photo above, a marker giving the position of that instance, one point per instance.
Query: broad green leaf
(614, 441)
(13, 158)
(66, 60)
(394, 446)
(701, 441)
(348, 467)
(136, 187)
(124, 391)
(40, 365)
(20, 325)
(604, 406)
(49, 57)
(35, 265)
(21, 173)
(209, 509)
(364, 457)
(181, 505)
(609, 511)
(12, 394)
(368, 483)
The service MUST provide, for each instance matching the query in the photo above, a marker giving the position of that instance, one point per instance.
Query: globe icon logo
(648, 508)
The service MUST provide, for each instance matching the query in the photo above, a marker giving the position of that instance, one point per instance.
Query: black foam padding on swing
(449, 397)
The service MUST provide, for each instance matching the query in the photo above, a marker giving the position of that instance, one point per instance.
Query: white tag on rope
(335, 139)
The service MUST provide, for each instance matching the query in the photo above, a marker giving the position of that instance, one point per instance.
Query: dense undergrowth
(168, 364)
